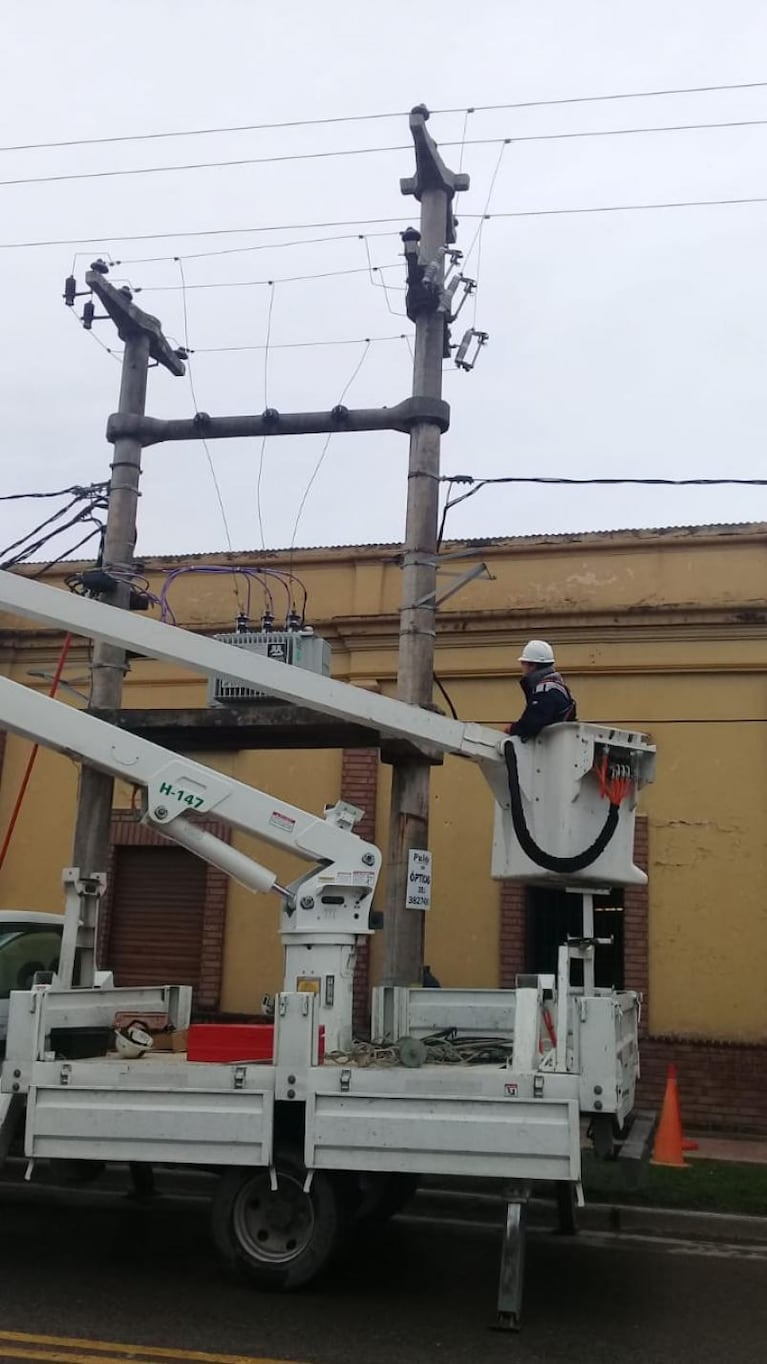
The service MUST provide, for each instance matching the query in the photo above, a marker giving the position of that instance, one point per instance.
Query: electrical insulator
(267, 622)
(480, 339)
(70, 291)
(89, 312)
(293, 621)
(242, 624)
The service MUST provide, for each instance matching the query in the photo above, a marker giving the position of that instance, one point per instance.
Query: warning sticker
(281, 821)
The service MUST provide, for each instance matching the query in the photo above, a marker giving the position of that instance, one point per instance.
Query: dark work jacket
(549, 702)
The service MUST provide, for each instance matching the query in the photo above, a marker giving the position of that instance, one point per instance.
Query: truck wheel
(277, 1239)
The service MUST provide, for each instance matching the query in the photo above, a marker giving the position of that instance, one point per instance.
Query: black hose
(527, 842)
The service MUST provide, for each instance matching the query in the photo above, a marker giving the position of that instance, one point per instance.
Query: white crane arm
(395, 719)
(176, 786)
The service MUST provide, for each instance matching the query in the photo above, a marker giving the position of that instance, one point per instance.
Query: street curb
(610, 1218)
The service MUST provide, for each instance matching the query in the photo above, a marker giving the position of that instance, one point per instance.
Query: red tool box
(224, 1042)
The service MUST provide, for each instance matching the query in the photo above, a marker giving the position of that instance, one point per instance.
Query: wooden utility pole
(434, 186)
(143, 339)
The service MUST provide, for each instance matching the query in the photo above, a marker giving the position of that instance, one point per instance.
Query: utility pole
(143, 340)
(434, 186)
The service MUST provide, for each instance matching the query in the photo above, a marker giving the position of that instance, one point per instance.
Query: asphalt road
(87, 1278)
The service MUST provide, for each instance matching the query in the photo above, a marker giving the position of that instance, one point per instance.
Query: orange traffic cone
(669, 1142)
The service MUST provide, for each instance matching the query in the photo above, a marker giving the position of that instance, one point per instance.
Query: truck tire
(277, 1240)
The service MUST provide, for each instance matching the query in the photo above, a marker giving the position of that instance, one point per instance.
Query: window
(24, 950)
(555, 915)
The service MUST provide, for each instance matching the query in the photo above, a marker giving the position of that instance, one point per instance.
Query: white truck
(492, 1083)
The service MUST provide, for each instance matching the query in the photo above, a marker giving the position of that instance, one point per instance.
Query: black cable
(97, 530)
(76, 489)
(366, 118)
(445, 693)
(27, 548)
(563, 865)
(479, 483)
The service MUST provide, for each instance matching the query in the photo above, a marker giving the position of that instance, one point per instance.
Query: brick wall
(722, 1085)
(513, 933)
(126, 830)
(359, 785)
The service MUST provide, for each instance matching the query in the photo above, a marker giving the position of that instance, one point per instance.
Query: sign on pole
(418, 880)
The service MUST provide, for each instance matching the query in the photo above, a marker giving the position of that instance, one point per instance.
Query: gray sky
(621, 343)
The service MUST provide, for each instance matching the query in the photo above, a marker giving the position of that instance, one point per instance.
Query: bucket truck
(492, 1083)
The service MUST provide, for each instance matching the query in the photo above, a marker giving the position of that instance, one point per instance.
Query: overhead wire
(372, 117)
(205, 445)
(371, 151)
(324, 450)
(27, 545)
(299, 345)
(241, 250)
(180, 234)
(76, 488)
(476, 484)
(588, 482)
(255, 283)
(262, 451)
(381, 283)
(67, 553)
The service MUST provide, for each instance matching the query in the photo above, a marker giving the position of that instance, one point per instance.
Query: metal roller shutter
(156, 927)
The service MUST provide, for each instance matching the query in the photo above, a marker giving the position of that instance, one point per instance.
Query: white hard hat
(133, 1041)
(537, 651)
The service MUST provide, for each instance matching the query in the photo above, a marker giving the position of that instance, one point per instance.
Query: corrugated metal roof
(394, 547)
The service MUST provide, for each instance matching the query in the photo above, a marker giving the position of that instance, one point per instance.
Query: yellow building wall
(660, 631)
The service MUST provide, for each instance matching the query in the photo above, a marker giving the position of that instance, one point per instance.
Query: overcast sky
(620, 343)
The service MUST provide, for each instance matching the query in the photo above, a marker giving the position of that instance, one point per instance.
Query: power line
(373, 151)
(252, 283)
(205, 445)
(348, 223)
(97, 530)
(202, 232)
(262, 451)
(324, 452)
(364, 222)
(608, 482)
(367, 118)
(76, 490)
(597, 99)
(259, 246)
(624, 208)
(299, 345)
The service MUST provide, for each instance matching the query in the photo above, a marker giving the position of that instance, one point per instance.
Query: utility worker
(549, 700)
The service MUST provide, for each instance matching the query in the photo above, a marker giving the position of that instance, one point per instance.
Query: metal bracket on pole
(479, 571)
(130, 320)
